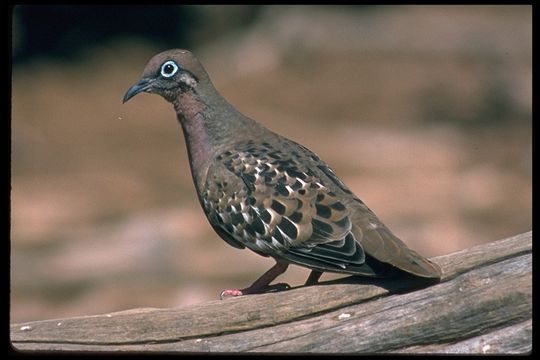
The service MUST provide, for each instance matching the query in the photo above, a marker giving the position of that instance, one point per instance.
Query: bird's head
(168, 74)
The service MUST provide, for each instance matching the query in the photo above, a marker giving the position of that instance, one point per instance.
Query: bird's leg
(313, 277)
(261, 285)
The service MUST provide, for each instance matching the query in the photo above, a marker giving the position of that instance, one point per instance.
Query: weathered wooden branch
(482, 305)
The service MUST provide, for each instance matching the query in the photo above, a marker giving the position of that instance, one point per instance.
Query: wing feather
(293, 207)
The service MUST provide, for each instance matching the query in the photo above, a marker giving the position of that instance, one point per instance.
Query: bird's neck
(210, 124)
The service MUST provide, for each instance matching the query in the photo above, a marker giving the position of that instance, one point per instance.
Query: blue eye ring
(169, 69)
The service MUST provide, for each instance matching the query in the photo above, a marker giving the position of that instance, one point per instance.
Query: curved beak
(143, 85)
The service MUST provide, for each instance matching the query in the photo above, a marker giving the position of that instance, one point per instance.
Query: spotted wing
(269, 201)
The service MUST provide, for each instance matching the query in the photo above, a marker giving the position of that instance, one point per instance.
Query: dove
(262, 191)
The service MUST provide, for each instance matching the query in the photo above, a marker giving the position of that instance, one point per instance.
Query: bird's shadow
(400, 284)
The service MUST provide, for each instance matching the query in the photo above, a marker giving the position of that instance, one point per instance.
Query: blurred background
(424, 111)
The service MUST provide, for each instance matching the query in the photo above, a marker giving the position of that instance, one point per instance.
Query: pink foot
(230, 292)
(254, 290)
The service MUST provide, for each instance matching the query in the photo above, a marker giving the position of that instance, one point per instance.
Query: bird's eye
(168, 69)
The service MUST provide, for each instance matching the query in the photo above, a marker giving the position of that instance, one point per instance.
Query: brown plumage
(265, 192)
